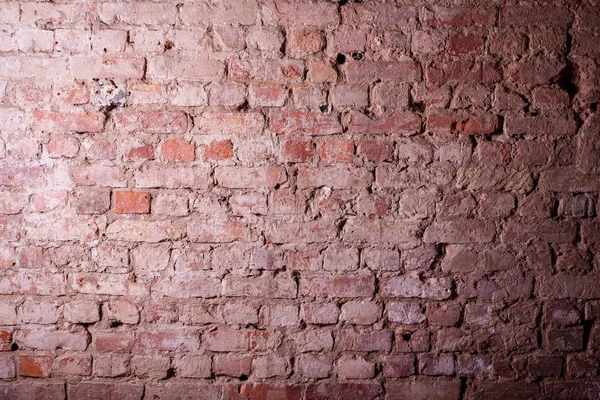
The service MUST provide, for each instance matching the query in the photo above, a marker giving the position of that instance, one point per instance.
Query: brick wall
(261, 199)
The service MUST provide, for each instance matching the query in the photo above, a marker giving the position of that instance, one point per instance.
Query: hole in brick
(406, 337)
(418, 106)
(343, 2)
(244, 378)
(357, 56)
(244, 106)
(340, 58)
(594, 107)
(324, 109)
(169, 45)
(114, 324)
(358, 1)
(14, 347)
(171, 372)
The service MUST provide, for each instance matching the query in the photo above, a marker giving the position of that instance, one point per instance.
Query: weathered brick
(336, 177)
(278, 288)
(385, 231)
(400, 71)
(137, 13)
(100, 175)
(143, 231)
(300, 232)
(350, 391)
(443, 390)
(35, 366)
(256, 177)
(132, 202)
(169, 340)
(337, 286)
(521, 16)
(178, 150)
(462, 72)
(304, 123)
(102, 390)
(151, 121)
(51, 340)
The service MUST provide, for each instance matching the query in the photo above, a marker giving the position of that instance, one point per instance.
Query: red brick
(151, 121)
(227, 341)
(169, 340)
(113, 342)
(348, 391)
(337, 177)
(337, 286)
(35, 366)
(466, 125)
(7, 367)
(238, 124)
(351, 340)
(398, 366)
(297, 150)
(182, 390)
(543, 231)
(263, 287)
(232, 365)
(537, 72)
(159, 176)
(32, 94)
(73, 93)
(134, 151)
(540, 16)
(295, 122)
(319, 14)
(218, 150)
(508, 41)
(465, 44)
(69, 365)
(337, 151)
(251, 177)
(398, 123)
(320, 71)
(545, 366)
(460, 16)
(442, 390)
(47, 390)
(90, 390)
(375, 151)
(407, 287)
(462, 72)
(5, 339)
(302, 42)
(100, 150)
(101, 175)
(399, 232)
(371, 71)
(436, 364)
(132, 202)
(257, 391)
(178, 150)
(68, 122)
(267, 95)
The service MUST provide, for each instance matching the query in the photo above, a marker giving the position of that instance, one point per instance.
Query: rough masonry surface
(270, 199)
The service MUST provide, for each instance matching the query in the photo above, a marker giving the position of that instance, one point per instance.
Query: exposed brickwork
(311, 200)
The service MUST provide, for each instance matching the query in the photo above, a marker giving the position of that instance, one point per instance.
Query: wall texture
(260, 199)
